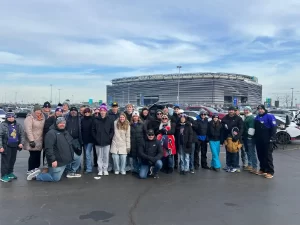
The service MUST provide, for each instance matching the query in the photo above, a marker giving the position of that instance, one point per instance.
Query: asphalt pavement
(206, 197)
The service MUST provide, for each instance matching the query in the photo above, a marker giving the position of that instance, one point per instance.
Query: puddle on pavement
(97, 216)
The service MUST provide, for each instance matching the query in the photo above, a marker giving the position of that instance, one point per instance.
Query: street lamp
(178, 67)
(59, 95)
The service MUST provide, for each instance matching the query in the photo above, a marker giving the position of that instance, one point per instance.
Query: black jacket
(187, 137)
(201, 126)
(146, 120)
(215, 132)
(129, 116)
(154, 125)
(137, 134)
(231, 122)
(74, 127)
(86, 130)
(48, 123)
(102, 130)
(113, 116)
(4, 133)
(193, 124)
(169, 132)
(175, 118)
(58, 147)
(150, 151)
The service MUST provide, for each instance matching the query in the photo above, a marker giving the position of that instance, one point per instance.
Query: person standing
(46, 110)
(34, 127)
(244, 156)
(145, 118)
(87, 138)
(113, 113)
(150, 153)
(129, 111)
(232, 129)
(66, 108)
(215, 137)
(81, 111)
(200, 127)
(155, 123)
(194, 144)
(248, 140)
(265, 136)
(59, 153)
(175, 117)
(11, 139)
(184, 137)
(95, 157)
(137, 134)
(120, 145)
(103, 132)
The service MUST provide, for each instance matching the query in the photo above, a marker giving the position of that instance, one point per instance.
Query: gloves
(32, 144)
(235, 138)
(163, 131)
(188, 145)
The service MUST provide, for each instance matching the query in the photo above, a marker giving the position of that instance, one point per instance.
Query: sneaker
(33, 175)
(123, 172)
(206, 167)
(238, 170)
(151, 171)
(12, 176)
(100, 174)
(31, 171)
(5, 179)
(192, 171)
(254, 171)
(117, 172)
(226, 168)
(233, 170)
(261, 173)
(248, 168)
(73, 175)
(269, 176)
(156, 176)
(216, 169)
(105, 173)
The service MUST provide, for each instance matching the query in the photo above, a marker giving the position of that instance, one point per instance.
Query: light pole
(51, 93)
(292, 102)
(16, 97)
(59, 95)
(178, 67)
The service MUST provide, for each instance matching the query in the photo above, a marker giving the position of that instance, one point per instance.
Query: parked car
(2, 115)
(23, 113)
(287, 131)
(210, 111)
(281, 113)
(160, 105)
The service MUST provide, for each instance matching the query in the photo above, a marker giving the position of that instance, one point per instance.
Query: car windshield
(212, 110)
(2, 112)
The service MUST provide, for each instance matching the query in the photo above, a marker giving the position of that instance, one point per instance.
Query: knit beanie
(261, 106)
(248, 108)
(231, 108)
(36, 108)
(10, 114)
(58, 109)
(60, 119)
(103, 106)
(135, 113)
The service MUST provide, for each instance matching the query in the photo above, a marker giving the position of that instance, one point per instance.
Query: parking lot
(206, 197)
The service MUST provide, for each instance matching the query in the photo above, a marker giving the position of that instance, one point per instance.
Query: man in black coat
(150, 153)
(113, 113)
(59, 148)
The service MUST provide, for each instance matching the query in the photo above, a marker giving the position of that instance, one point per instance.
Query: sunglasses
(158, 113)
(203, 114)
(164, 118)
(150, 135)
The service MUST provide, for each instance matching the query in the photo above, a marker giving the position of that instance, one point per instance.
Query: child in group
(11, 139)
(120, 146)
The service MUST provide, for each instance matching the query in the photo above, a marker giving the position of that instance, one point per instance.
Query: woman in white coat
(120, 146)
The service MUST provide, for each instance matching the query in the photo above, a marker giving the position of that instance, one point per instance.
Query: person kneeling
(150, 153)
(59, 153)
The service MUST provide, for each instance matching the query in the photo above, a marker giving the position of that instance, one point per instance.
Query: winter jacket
(48, 123)
(187, 137)
(175, 118)
(146, 120)
(129, 116)
(121, 140)
(102, 131)
(229, 123)
(4, 133)
(193, 124)
(34, 129)
(86, 130)
(201, 126)
(150, 151)
(137, 135)
(265, 128)
(154, 125)
(73, 126)
(113, 116)
(232, 146)
(58, 147)
(163, 131)
(215, 132)
(249, 124)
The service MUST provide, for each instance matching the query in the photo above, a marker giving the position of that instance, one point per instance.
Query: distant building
(194, 89)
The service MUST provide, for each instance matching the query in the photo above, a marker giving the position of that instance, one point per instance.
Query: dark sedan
(22, 113)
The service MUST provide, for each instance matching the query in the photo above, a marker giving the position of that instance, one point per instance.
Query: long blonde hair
(122, 126)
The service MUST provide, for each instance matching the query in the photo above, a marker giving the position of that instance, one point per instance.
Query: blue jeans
(192, 156)
(251, 152)
(145, 169)
(244, 155)
(232, 160)
(73, 166)
(55, 174)
(136, 164)
(119, 162)
(184, 159)
(88, 154)
(215, 152)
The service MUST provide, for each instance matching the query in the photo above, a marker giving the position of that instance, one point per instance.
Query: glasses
(158, 113)
(202, 114)
(164, 118)
(150, 135)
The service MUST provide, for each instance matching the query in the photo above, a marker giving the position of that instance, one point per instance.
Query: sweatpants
(265, 156)
(103, 157)
(8, 159)
(34, 160)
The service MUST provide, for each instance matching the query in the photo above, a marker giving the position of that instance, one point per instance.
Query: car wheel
(283, 138)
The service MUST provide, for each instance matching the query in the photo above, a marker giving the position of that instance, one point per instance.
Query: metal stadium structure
(186, 89)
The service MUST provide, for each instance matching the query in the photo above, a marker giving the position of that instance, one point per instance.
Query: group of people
(71, 138)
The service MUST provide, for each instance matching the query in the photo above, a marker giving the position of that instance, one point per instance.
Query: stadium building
(192, 88)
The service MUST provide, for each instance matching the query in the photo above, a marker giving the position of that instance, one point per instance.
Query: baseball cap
(47, 105)
(150, 132)
(114, 104)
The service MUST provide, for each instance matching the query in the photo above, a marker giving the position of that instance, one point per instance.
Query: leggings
(34, 160)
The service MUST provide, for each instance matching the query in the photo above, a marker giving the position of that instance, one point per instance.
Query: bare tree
(287, 99)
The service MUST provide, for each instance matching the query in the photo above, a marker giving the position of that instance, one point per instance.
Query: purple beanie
(103, 106)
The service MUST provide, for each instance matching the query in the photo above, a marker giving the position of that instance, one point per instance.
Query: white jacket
(121, 140)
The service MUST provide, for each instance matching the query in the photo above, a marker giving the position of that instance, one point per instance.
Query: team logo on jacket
(154, 145)
(274, 122)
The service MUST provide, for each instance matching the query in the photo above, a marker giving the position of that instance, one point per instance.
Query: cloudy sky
(79, 46)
